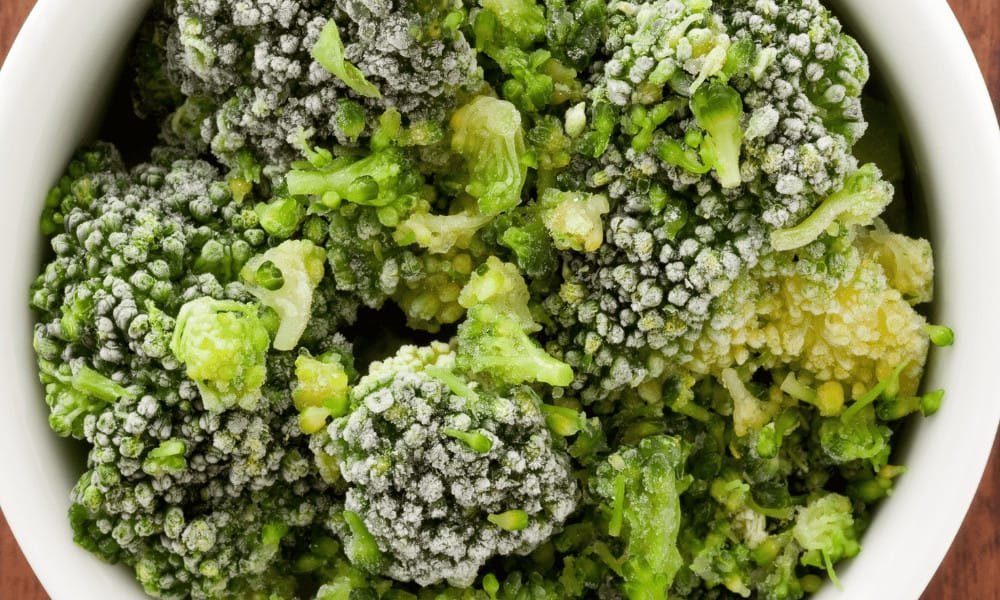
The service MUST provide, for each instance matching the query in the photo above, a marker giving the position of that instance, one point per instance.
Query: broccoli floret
(321, 388)
(494, 337)
(255, 77)
(223, 346)
(438, 469)
(826, 531)
(641, 488)
(718, 108)
(487, 133)
(574, 219)
(174, 488)
(574, 29)
(859, 327)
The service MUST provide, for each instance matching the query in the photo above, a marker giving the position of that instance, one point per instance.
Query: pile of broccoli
(658, 337)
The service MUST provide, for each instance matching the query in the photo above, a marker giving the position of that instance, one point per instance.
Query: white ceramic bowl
(50, 97)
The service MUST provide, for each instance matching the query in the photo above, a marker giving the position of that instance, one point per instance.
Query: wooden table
(972, 569)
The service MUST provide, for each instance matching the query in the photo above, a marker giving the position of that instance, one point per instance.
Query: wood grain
(972, 569)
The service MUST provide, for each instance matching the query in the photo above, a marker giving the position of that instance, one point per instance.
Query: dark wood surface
(972, 569)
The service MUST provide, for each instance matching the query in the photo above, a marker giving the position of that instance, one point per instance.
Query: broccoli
(641, 488)
(487, 133)
(825, 530)
(494, 336)
(658, 341)
(443, 473)
(223, 346)
(254, 77)
(284, 279)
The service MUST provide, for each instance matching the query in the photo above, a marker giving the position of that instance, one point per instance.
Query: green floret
(862, 437)
(493, 339)
(281, 217)
(524, 20)
(385, 179)
(826, 531)
(574, 219)
(487, 133)
(862, 198)
(223, 345)
(641, 488)
(718, 109)
(574, 29)
(494, 343)
(329, 52)
(321, 388)
(500, 285)
(523, 232)
(72, 396)
(168, 457)
(284, 279)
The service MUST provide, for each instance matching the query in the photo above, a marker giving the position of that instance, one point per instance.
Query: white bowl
(50, 97)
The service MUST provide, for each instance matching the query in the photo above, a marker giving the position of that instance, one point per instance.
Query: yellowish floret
(855, 328)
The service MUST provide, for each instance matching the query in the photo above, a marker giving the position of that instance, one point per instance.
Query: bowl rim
(968, 140)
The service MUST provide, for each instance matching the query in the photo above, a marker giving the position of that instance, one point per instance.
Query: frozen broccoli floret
(487, 133)
(718, 108)
(641, 488)
(494, 339)
(223, 346)
(439, 234)
(255, 76)
(825, 530)
(321, 389)
(574, 219)
(828, 309)
(445, 473)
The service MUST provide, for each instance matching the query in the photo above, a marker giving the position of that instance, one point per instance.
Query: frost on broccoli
(254, 77)
(444, 473)
(223, 346)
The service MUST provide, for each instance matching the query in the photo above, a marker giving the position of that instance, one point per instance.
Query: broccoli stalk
(642, 490)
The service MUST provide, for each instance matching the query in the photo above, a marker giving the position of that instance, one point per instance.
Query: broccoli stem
(888, 387)
(860, 192)
(940, 335)
(361, 548)
(94, 384)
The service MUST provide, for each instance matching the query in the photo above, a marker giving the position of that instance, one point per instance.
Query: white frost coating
(424, 495)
